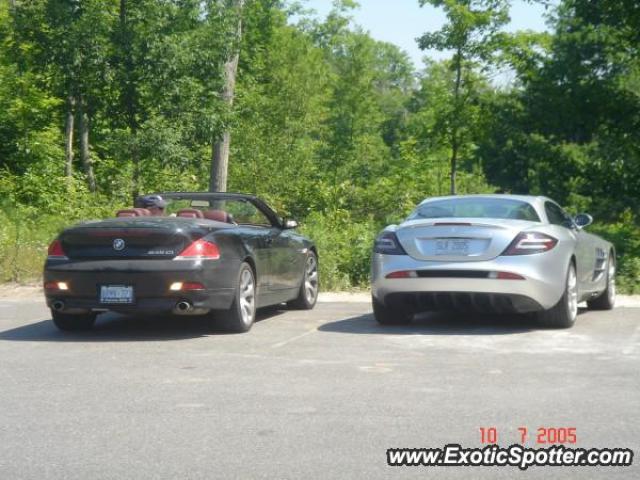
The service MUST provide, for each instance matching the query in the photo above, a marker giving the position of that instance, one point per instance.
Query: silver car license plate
(452, 246)
(116, 294)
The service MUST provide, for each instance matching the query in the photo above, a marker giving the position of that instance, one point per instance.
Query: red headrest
(190, 213)
(217, 215)
(130, 212)
(133, 212)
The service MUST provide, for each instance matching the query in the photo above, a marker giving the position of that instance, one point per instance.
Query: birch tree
(472, 33)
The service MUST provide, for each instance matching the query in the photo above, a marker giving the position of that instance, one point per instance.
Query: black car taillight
(55, 250)
(200, 249)
(388, 244)
(527, 243)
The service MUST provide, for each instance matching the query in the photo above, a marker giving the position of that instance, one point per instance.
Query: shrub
(27, 230)
(344, 248)
(625, 235)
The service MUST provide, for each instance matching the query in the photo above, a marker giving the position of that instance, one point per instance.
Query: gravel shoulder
(14, 291)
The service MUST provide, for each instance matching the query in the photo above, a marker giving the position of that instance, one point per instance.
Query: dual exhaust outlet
(181, 308)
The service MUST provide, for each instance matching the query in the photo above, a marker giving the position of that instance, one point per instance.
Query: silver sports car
(491, 253)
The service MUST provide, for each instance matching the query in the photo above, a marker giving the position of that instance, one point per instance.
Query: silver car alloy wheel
(247, 297)
(311, 279)
(572, 292)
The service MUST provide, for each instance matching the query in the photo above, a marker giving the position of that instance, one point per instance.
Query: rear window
(473, 207)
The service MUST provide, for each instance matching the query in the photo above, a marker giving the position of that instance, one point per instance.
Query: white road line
(634, 342)
(293, 339)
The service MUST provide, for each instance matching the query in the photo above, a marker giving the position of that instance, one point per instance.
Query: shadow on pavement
(112, 327)
(439, 323)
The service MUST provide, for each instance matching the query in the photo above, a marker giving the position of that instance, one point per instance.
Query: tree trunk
(129, 92)
(220, 163)
(454, 161)
(85, 155)
(456, 118)
(220, 148)
(68, 137)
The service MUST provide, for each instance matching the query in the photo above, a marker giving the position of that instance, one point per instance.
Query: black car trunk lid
(131, 238)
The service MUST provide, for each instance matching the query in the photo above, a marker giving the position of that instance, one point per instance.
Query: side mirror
(289, 224)
(583, 219)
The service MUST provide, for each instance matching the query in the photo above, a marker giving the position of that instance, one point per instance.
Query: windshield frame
(211, 197)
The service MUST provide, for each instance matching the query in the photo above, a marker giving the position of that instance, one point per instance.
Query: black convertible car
(218, 254)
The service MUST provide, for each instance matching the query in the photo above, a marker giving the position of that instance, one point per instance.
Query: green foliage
(472, 33)
(279, 121)
(27, 230)
(331, 126)
(473, 28)
(28, 133)
(344, 248)
(625, 235)
(569, 127)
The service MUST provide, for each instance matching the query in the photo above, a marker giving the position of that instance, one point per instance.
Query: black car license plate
(120, 294)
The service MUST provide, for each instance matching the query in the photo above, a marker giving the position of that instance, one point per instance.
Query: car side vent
(600, 266)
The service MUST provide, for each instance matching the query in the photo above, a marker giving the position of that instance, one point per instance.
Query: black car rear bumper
(151, 281)
(199, 302)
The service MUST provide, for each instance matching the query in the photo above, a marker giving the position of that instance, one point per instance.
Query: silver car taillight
(388, 244)
(527, 243)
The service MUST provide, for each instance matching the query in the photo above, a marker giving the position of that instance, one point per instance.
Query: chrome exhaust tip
(58, 305)
(183, 307)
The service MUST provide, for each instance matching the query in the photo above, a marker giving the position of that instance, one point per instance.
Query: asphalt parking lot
(318, 394)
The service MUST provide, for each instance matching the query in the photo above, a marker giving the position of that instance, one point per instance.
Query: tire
(73, 323)
(242, 313)
(565, 312)
(607, 299)
(386, 316)
(308, 293)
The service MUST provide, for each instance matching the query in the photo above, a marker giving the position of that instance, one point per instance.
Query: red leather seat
(129, 212)
(133, 212)
(217, 215)
(190, 213)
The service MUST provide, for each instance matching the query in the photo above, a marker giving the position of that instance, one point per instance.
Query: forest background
(101, 100)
